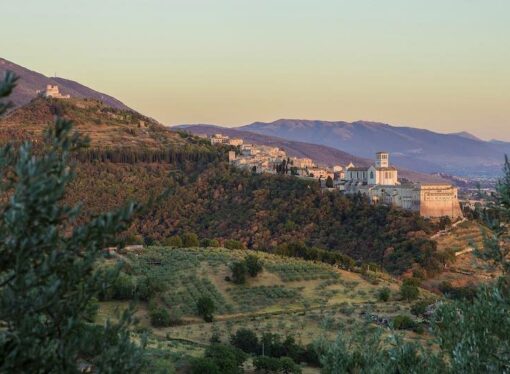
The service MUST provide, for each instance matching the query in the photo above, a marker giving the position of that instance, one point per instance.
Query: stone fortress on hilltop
(53, 92)
(379, 182)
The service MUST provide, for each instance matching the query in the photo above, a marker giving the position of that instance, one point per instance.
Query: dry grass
(467, 268)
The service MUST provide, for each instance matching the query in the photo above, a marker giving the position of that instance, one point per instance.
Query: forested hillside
(134, 158)
(263, 212)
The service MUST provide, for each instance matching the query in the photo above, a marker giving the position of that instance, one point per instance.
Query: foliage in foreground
(48, 274)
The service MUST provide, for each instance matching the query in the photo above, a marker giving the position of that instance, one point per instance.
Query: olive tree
(49, 278)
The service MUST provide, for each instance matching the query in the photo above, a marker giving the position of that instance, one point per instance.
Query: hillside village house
(320, 173)
(302, 163)
(223, 139)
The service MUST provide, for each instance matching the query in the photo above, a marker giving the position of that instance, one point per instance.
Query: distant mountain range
(412, 148)
(321, 154)
(30, 82)
(415, 149)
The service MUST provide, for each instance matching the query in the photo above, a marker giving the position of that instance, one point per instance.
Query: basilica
(381, 184)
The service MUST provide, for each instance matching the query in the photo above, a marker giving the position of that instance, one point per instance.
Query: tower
(382, 159)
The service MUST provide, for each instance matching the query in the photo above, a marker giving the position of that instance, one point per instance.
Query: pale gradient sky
(443, 65)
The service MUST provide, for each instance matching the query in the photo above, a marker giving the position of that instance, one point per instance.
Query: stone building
(380, 183)
(54, 93)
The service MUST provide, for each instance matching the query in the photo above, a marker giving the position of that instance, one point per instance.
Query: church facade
(380, 183)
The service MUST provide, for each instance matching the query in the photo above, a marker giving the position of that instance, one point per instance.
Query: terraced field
(291, 296)
(466, 268)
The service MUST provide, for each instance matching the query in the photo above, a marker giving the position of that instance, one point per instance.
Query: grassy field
(291, 297)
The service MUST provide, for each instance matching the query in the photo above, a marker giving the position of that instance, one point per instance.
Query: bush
(206, 308)
(246, 340)
(253, 265)
(214, 243)
(215, 338)
(159, 317)
(420, 307)
(467, 292)
(288, 366)
(173, 241)
(190, 239)
(267, 364)
(239, 271)
(383, 294)
(205, 243)
(229, 360)
(413, 281)
(146, 288)
(310, 355)
(123, 288)
(409, 289)
(233, 244)
(204, 365)
(403, 322)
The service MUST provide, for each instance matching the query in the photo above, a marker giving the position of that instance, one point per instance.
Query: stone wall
(439, 200)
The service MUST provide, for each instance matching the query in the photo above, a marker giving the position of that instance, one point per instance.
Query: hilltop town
(379, 182)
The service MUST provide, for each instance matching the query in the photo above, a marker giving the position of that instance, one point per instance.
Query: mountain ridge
(321, 154)
(418, 149)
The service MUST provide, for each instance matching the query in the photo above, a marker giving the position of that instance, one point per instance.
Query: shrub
(146, 288)
(420, 307)
(229, 360)
(413, 281)
(239, 271)
(267, 364)
(310, 355)
(209, 243)
(467, 292)
(206, 308)
(409, 290)
(214, 243)
(233, 244)
(159, 317)
(253, 265)
(190, 239)
(204, 365)
(246, 340)
(123, 288)
(215, 338)
(403, 322)
(383, 294)
(288, 366)
(173, 241)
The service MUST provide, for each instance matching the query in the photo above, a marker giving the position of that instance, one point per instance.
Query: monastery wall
(439, 200)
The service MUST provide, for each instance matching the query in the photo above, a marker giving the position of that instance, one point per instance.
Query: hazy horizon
(441, 66)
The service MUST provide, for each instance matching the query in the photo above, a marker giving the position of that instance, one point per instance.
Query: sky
(443, 65)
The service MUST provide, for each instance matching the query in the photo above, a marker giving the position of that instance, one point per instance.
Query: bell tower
(382, 159)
